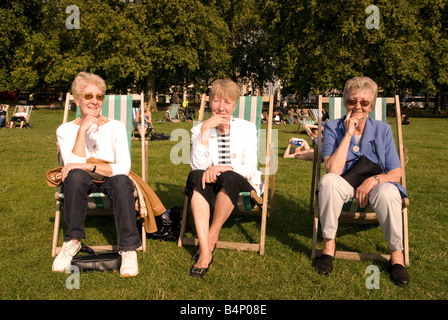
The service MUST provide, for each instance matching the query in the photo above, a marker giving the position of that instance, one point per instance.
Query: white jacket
(243, 151)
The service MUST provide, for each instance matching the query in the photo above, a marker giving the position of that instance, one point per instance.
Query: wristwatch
(377, 179)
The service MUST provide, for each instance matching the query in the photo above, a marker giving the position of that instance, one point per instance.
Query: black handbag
(108, 261)
(362, 170)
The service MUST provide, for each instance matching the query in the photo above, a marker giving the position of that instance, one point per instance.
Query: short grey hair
(359, 83)
(225, 88)
(83, 79)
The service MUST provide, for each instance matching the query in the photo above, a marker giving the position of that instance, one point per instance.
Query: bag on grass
(108, 261)
(168, 225)
(159, 136)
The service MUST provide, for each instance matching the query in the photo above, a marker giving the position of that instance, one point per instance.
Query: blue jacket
(374, 131)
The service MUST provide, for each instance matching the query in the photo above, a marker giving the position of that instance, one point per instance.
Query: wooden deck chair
(28, 110)
(118, 107)
(307, 124)
(249, 108)
(134, 123)
(173, 114)
(351, 212)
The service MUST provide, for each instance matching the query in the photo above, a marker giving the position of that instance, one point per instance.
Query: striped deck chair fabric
(336, 109)
(315, 114)
(174, 112)
(249, 108)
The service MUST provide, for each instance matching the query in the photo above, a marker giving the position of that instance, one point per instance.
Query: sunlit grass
(285, 272)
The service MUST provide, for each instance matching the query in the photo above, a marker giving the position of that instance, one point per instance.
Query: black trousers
(78, 185)
(231, 181)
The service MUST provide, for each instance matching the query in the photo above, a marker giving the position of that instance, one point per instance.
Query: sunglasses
(89, 96)
(353, 102)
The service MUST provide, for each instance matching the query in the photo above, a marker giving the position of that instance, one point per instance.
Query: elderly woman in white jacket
(224, 163)
(93, 135)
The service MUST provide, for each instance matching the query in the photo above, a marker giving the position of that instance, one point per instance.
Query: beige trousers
(384, 198)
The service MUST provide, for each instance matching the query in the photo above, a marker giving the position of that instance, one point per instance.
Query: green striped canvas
(353, 206)
(249, 108)
(336, 109)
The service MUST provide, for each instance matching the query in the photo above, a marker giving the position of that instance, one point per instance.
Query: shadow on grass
(290, 223)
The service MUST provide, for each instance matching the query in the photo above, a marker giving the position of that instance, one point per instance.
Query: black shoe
(199, 272)
(399, 274)
(196, 255)
(325, 264)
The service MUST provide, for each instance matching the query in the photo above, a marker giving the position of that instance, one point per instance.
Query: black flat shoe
(399, 274)
(325, 264)
(195, 256)
(199, 272)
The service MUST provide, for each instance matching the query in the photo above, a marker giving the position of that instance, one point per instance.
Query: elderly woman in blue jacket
(345, 140)
(224, 163)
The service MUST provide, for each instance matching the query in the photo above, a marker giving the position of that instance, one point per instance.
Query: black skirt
(231, 181)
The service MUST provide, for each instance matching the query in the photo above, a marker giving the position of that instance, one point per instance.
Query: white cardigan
(243, 151)
(109, 143)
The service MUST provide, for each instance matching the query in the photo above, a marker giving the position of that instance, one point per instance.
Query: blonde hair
(83, 79)
(360, 83)
(225, 88)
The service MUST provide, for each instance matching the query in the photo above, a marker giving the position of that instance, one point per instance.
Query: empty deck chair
(173, 113)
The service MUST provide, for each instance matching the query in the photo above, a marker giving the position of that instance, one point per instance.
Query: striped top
(224, 148)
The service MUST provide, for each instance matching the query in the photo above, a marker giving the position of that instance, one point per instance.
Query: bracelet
(94, 168)
(377, 179)
(348, 133)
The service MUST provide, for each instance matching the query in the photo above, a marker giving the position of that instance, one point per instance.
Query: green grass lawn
(285, 272)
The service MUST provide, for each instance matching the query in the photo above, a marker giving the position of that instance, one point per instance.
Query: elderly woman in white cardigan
(93, 135)
(224, 163)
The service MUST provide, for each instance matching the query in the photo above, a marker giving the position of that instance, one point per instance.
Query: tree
(323, 43)
(130, 43)
(19, 20)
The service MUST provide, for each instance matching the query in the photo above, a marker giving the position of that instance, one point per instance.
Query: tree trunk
(150, 92)
(426, 101)
(438, 102)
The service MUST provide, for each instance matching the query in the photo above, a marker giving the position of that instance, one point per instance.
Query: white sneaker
(129, 264)
(64, 259)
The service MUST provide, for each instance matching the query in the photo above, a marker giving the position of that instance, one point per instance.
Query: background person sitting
(21, 116)
(299, 149)
(3, 114)
(146, 121)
